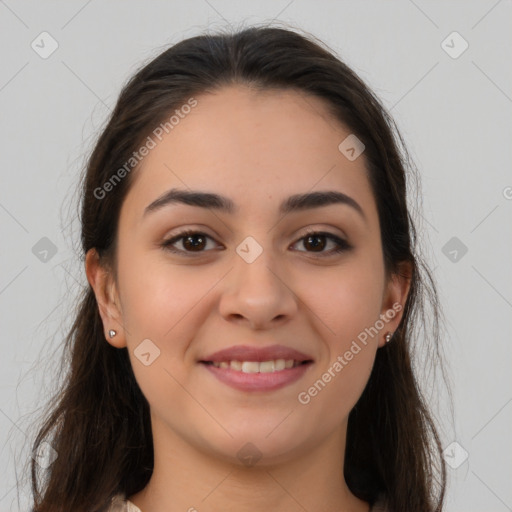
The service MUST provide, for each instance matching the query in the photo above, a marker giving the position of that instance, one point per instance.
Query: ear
(394, 298)
(102, 281)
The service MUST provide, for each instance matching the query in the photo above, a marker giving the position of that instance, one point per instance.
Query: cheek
(161, 303)
(347, 300)
(332, 393)
(157, 297)
(346, 305)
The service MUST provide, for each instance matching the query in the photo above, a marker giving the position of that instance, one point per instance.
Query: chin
(259, 444)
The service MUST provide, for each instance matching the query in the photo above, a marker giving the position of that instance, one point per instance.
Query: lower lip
(258, 381)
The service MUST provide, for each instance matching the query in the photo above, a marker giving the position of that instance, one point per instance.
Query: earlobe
(101, 280)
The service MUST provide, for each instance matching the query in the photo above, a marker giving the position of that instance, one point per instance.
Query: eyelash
(341, 245)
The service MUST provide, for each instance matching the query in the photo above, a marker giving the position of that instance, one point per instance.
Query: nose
(258, 294)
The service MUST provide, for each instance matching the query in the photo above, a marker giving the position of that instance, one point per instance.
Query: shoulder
(121, 504)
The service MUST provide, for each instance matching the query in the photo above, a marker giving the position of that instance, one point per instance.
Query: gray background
(455, 115)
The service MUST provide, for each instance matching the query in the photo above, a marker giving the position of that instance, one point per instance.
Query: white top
(121, 504)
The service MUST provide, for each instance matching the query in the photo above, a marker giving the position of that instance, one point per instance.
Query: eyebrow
(295, 203)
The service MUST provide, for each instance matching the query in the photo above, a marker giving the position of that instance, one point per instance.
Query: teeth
(257, 367)
(236, 365)
(250, 367)
(280, 364)
(267, 366)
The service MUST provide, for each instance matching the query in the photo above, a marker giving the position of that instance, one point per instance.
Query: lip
(267, 381)
(258, 381)
(258, 354)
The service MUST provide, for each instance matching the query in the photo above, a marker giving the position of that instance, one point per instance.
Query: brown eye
(317, 241)
(191, 241)
(194, 242)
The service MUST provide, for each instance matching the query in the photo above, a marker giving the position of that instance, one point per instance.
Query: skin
(257, 148)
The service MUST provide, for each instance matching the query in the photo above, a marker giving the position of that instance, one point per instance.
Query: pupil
(316, 245)
(188, 242)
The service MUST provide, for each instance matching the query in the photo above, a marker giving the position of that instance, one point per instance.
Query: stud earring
(388, 337)
(112, 333)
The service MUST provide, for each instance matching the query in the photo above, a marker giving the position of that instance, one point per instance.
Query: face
(254, 282)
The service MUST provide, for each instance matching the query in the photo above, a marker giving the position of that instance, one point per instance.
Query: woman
(245, 342)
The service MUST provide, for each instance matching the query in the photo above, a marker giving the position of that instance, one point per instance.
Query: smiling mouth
(251, 368)
(270, 366)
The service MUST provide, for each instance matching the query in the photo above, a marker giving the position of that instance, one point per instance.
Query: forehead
(256, 147)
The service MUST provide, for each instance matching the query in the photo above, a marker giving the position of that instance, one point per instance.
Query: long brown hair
(99, 424)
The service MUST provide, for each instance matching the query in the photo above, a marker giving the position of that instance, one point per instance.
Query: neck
(187, 479)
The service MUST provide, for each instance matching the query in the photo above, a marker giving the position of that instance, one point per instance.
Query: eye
(317, 241)
(191, 241)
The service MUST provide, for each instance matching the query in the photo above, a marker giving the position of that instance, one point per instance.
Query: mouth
(257, 369)
(270, 366)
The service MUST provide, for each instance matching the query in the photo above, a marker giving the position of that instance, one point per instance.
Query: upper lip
(251, 353)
